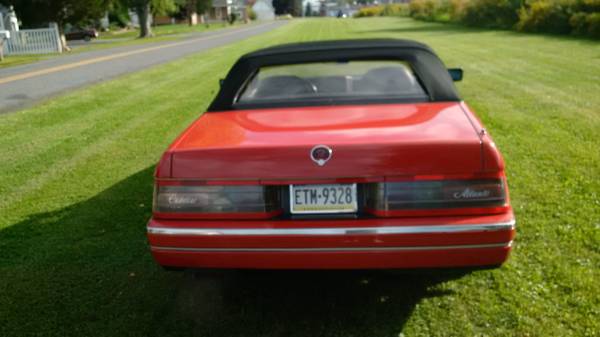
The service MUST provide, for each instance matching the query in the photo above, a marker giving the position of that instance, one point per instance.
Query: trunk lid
(367, 141)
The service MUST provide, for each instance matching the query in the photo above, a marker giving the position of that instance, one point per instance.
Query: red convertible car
(337, 154)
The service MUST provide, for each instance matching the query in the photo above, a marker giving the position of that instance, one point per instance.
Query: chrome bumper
(338, 249)
(423, 229)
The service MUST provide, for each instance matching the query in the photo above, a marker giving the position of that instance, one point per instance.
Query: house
(221, 10)
(264, 10)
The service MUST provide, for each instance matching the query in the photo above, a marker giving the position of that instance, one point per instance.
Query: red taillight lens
(436, 195)
(216, 201)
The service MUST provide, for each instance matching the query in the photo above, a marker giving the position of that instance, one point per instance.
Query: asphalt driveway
(24, 85)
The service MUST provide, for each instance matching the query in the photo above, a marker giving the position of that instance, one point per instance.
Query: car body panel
(394, 139)
(417, 248)
(371, 142)
(374, 259)
(491, 158)
(355, 250)
(216, 235)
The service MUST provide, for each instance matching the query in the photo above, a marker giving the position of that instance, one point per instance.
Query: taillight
(445, 196)
(216, 201)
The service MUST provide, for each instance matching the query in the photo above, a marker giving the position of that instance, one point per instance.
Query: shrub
(578, 22)
(586, 24)
(548, 16)
(119, 15)
(456, 9)
(581, 17)
(368, 12)
(430, 10)
(251, 14)
(441, 11)
(395, 10)
(590, 6)
(423, 9)
(593, 23)
(387, 10)
(488, 13)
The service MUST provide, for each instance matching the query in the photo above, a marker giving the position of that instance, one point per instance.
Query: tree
(308, 11)
(293, 7)
(37, 13)
(145, 8)
(193, 8)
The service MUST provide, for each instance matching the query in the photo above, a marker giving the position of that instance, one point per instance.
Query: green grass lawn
(163, 30)
(16, 60)
(76, 185)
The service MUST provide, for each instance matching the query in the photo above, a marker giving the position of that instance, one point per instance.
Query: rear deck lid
(366, 141)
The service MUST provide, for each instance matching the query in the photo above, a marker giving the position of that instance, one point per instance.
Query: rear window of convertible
(354, 80)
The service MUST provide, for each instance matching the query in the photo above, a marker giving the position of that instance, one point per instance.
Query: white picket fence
(33, 41)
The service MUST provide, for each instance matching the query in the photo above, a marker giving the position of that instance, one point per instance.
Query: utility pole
(4, 35)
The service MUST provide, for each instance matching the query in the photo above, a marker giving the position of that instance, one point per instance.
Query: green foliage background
(577, 17)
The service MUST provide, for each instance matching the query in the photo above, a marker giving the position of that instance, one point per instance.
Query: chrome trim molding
(425, 229)
(329, 249)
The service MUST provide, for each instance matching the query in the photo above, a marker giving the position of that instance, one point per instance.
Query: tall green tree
(293, 7)
(37, 13)
(145, 8)
(308, 11)
(193, 8)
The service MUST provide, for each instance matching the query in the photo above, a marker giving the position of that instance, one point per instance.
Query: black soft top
(427, 66)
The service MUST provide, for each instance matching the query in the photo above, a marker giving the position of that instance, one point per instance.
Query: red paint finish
(330, 241)
(336, 260)
(371, 143)
(367, 141)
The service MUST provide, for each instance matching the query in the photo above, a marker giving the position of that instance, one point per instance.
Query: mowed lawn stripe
(532, 107)
(65, 145)
(75, 259)
(103, 131)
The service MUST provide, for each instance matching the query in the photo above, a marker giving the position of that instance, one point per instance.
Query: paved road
(24, 85)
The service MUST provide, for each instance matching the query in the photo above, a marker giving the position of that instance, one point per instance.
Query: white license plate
(332, 198)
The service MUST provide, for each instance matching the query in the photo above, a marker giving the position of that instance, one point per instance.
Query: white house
(222, 9)
(264, 10)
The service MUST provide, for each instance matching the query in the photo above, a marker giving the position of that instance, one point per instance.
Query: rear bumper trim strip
(331, 249)
(424, 229)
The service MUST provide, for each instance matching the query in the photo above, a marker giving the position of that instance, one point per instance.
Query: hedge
(561, 17)
(577, 17)
(387, 10)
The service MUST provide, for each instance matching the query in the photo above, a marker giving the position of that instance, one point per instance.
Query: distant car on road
(77, 33)
(334, 155)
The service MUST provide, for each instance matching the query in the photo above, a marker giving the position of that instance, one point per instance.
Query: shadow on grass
(86, 270)
(299, 303)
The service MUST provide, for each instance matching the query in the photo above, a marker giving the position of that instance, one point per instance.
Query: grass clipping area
(76, 187)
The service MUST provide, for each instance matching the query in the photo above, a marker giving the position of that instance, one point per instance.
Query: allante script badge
(320, 154)
(471, 194)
